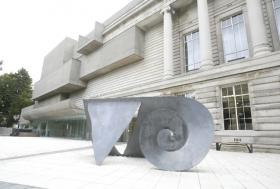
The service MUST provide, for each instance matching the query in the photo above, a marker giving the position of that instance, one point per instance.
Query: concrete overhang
(63, 80)
(92, 41)
(87, 46)
(58, 110)
(126, 48)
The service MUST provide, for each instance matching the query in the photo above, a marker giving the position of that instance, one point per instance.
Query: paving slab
(17, 147)
(7, 185)
(77, 169)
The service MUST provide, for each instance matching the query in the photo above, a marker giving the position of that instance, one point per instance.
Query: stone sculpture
(173, 133)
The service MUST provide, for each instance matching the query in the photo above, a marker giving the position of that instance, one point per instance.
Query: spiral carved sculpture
(173, 133)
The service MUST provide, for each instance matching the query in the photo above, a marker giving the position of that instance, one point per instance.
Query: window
(234, 38)
(192, 51)
(236, 107)
(276, 5)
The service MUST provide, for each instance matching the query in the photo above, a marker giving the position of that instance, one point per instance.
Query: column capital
(167, 9)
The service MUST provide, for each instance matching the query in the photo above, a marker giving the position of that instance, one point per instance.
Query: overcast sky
(29, 29)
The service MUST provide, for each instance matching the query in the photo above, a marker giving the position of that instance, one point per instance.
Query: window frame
(185, 55)
(192, 27)
(232, 26)
(225, 14)
(234, 95)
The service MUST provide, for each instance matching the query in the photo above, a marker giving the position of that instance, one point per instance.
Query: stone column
(257, 27)
(204, 34)
(167, 42)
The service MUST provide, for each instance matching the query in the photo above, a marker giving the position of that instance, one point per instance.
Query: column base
(261, 50)
(207, 64)
(167, 76)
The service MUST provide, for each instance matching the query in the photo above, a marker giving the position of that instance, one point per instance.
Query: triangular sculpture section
(108, 121)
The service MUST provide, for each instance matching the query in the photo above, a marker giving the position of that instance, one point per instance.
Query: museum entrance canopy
(58, 110)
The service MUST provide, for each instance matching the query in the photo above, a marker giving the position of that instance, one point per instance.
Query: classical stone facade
(223, 53)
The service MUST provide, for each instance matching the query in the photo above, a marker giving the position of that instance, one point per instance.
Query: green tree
(15, 94)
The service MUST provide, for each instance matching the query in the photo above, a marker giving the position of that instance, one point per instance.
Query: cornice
(120, 19)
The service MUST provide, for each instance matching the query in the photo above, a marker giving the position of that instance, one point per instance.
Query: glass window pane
(240, 112)
(242, 124)
(230, 91)
(231, 102)
(239, 102)
(243, 36)
(237, 37)
(195, 35)
(237, 89)
(235, 19)
(196, 52)
(226, 113)
(246, 100)
(233, 124)
(225, 102)
(192, 51)
(226, 23)
(228, 41)
(247, 112)
(189, 37)
(227, 124)
(244, 89)
(232, 113)
(224, 91)
(240, 37)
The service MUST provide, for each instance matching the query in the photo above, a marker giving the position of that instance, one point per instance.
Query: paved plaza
(63, 163)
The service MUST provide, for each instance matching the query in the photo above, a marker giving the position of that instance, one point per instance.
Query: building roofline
(130, 9)
(122, 11)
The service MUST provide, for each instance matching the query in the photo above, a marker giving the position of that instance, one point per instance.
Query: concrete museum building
(223, 53)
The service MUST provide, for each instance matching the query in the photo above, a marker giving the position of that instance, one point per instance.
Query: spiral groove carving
(173, 137)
